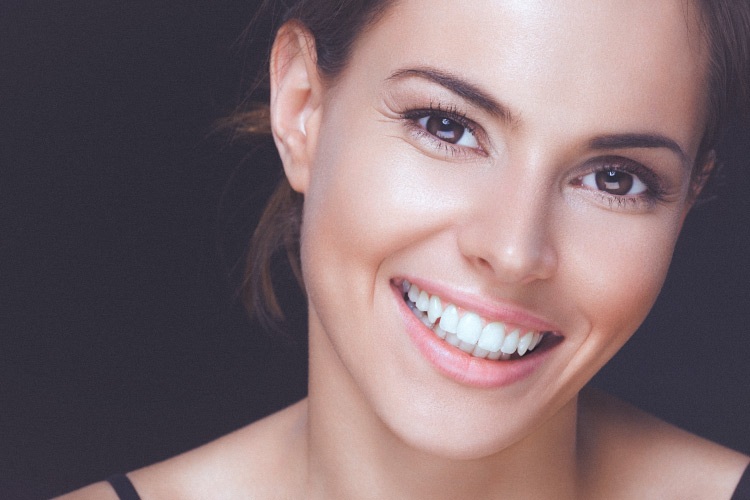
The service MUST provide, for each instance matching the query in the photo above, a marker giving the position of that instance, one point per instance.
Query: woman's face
(527, 162)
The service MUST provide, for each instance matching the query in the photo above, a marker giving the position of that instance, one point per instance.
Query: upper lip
(490, 309)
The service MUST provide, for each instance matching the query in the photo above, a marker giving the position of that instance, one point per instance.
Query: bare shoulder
(645, 457)
(97, 491)
(243, 464)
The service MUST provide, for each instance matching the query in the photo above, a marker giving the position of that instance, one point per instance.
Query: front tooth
(524, 343)
(449, 319)
(510, 343)
(423, 301)
(413, 293)
(469, 328)
(492, 337)
(494, 355)
(440, 332)
(435, 309)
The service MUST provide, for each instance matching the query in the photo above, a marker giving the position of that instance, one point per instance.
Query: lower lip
(460, 366)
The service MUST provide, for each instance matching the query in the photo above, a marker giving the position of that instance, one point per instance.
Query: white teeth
(423, 301)
(440, 332)
(452, 339)
(524, 343)
(535, 341)
(494, 355)
(413, 293)
(492, 337)
(469, 329)
(435, 310)
(479, 352)
(466, 347)
(449, 319)
(510, 343)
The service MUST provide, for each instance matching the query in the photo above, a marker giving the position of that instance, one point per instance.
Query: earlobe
(698, 181)
(701, 176)
(296, 96)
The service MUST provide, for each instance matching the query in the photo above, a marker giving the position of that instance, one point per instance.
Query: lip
(491, 311)
(465, 368)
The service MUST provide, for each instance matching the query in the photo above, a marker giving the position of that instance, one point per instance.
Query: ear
(701, 175)
(698, 181)
(296, 96)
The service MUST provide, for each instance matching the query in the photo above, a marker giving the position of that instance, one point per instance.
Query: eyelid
(413, 115)
(655, 191)
(652, 181)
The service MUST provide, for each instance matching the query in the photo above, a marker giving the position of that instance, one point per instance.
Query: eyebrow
(627, 141)
(484, 100)
(460, 87)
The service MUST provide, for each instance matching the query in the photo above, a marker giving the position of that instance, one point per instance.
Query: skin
(508, 220)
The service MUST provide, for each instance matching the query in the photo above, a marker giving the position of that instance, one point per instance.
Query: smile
(467, 330)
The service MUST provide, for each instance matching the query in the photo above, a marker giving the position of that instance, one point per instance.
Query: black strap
(743, 487)
(123, 487)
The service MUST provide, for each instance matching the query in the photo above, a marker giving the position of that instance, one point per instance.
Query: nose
(509, 235)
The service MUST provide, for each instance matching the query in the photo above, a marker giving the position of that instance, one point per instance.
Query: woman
(491, 193)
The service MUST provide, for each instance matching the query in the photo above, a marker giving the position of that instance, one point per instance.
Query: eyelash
(452, 113)
(654, 190)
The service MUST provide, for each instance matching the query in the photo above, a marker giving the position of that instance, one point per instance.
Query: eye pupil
(445, 129)
(614, 182)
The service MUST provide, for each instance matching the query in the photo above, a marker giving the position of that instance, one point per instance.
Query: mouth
(470, 332)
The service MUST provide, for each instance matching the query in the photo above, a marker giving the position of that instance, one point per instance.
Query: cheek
(620, 270)
(369, 198)
(347, 215)
(353, 217)
(610, 279)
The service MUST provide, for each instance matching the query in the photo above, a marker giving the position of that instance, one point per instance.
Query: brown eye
(614, 182)
(445, 128)
(448, 130)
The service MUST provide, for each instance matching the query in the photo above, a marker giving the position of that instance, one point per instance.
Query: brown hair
(335, 25)
(726, 28)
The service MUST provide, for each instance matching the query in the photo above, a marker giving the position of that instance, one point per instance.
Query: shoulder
(646, 457)
(97, 491)
(246, 463)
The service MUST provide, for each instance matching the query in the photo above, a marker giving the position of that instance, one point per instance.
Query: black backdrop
(122, 220)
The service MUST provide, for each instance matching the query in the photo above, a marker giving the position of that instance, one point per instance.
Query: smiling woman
(482, 202)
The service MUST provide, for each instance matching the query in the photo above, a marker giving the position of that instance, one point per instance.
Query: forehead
(604, 63)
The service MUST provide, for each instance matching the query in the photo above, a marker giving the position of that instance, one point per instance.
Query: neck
(353, 454)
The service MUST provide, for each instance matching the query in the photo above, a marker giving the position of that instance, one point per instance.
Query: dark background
(122, 224)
